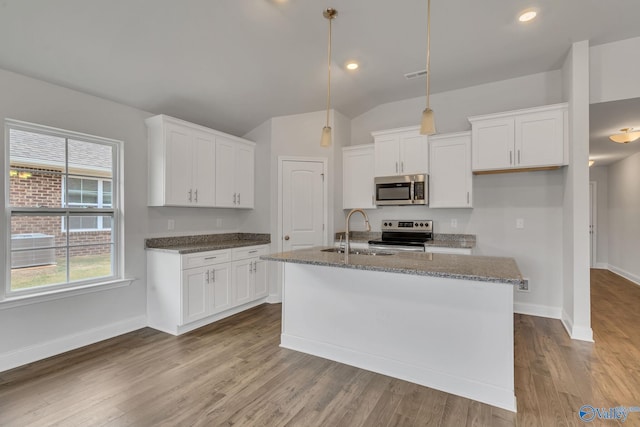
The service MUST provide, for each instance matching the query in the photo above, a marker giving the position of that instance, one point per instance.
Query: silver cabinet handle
(253, 252)
(211, 257)
(518, 156)
(196, 196)
(207, 277)
(402, 166)
(396, 167)
(467, 197)
(213, 276)
(510, 157)
(189, 195)
(373, 202)
(238, 198)
(234, 198)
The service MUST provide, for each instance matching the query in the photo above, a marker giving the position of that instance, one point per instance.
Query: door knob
(286, 237)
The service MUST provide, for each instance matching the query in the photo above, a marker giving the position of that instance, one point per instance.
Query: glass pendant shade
(325, 141)
(626, 136)
(428, 125)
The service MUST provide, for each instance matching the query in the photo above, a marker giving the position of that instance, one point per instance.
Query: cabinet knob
(238, 198)
(286, 237)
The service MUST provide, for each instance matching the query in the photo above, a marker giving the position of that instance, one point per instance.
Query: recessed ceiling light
(527, 15)
(352, 65)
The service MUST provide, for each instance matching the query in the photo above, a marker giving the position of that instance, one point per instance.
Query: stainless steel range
(404, 235)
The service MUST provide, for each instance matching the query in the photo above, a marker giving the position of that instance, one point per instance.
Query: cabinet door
(358, 166)
(539, 139)
(220, 288)
(450, 180)
(225, 192)
(204, 170)
(493, 144)
(261, 286)
(244, 175)
(414, 154)
(387, 155)
(242, 286)
(194, 294)
(179, 164)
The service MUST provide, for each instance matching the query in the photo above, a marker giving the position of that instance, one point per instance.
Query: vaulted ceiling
(231, 64)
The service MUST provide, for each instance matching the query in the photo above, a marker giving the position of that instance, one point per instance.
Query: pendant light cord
(428, 48)
(329, 74)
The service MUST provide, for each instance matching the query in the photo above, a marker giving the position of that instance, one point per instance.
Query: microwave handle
(412, 191)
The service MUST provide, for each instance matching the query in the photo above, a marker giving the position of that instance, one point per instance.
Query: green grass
(82, 267)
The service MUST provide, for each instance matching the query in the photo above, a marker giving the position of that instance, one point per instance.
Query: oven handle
(396, 248)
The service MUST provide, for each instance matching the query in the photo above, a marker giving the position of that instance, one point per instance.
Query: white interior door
(303, 211)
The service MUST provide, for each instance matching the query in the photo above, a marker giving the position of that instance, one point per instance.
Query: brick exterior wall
(45, 189)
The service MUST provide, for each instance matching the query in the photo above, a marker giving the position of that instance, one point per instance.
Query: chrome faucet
(346, 233)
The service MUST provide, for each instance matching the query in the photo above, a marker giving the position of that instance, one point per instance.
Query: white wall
(40, 330)
(576, 300)
(452, 108)
(624, 215)
(500, 199)
(600, 175)
(614, 71)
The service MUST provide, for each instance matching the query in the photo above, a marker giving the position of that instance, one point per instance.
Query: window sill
(17, 301)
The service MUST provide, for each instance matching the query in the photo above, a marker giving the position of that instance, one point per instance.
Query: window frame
(100, 204)
(54, 291)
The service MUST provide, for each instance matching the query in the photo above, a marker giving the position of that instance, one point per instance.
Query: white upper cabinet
(523, 139)
(357, 177)
(450, 178)
(401, 152)
(190, 165)
(234, 174)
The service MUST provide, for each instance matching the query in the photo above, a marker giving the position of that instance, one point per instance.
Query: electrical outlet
(454, 223)
(218, 222)
(171, 224)
(524, 285)
(519, 223)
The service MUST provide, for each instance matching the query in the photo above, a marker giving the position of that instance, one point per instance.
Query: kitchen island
(439, 320)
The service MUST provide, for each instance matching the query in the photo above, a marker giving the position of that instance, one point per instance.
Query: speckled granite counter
(457, 241)
(465, 267)
(206, 242)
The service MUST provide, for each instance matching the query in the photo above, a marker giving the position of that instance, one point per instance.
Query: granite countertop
(465, 267)
(462, 241)
(206, 242)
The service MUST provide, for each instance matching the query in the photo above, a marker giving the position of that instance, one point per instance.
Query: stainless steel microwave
(402, 190)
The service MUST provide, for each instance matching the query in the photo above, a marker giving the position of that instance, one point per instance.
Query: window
(63, 209)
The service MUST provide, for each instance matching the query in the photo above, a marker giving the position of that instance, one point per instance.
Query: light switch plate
(171, 224)
(519, 223)
(454, 223)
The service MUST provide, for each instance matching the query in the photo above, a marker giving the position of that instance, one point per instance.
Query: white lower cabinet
(188, 291)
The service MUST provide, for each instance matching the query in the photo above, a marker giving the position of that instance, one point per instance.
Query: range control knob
(416, 224)
(421, 225)
(385, 224)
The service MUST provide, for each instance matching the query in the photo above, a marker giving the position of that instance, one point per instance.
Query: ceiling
(232, 64)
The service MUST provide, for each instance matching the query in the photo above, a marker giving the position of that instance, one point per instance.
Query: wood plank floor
(234, 373)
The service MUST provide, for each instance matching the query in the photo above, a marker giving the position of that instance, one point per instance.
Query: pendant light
(325, 141)
(428, 126)
(626, 136)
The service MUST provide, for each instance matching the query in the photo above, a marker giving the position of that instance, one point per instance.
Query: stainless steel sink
(358, 252)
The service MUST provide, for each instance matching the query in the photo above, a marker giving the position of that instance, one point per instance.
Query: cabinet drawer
(205, 258)
(249, 252)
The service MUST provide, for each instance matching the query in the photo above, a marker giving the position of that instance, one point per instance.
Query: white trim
(601, 266)
(576, 333)
(485, 393)
(43, 350)
(20, 300)
(627, 275)
(537, 310)
(593, 206)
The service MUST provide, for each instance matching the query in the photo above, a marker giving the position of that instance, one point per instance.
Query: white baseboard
(43, 350)
(576, 332)
(601, 266)
(274, 299)
(629, 276)
(537, 310)
(482, 392)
